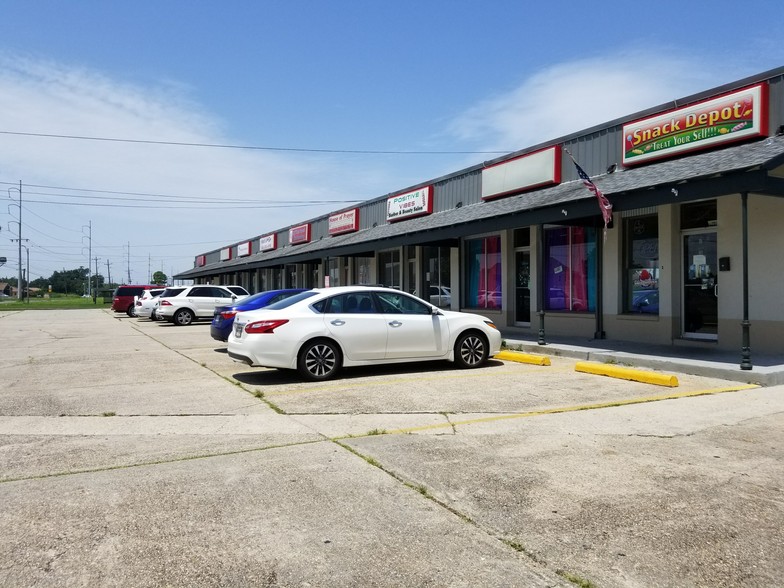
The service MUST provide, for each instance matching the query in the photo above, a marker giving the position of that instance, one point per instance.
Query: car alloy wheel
(471, 350)
(183, 317)
(319, 360)
(131, 311)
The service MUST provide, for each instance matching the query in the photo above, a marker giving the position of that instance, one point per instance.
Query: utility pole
(95, 290)
(19, 278)
(20, 285)
(129, 262)
(109, 274)
(89, 253)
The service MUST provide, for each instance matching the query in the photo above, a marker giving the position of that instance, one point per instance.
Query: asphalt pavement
(138, 454)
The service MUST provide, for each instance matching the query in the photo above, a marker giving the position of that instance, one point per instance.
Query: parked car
(192, 303)
(223, 319)
(145, 303)
(167, 293)
(123, 298)
(320, 331)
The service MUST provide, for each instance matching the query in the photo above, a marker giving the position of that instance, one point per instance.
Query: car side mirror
(233, 297)
(435, 311)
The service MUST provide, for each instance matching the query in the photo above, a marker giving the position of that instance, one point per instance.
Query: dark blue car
(223, 319)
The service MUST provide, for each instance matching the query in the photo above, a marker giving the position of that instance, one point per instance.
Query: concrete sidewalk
(139, 454)
(698, 359)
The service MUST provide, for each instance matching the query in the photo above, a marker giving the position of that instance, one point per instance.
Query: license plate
(238, 330)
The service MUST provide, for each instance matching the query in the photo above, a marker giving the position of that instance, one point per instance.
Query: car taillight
(165, 303)
(228, 314)
(264, 326)
(138, 303)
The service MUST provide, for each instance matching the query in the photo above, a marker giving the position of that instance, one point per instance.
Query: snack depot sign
(728, 118)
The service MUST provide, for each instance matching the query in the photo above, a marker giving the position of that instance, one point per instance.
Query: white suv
(145, 304)
(183, 305)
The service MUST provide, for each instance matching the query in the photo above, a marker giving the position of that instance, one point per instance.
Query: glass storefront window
(362, 270)
(334, 272)
(570, 269)
(641, 255)
(411, 265)
(389, 262)
(437, 278)
(698, 215)
(484, 272)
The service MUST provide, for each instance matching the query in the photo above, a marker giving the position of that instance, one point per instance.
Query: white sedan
(320, 331)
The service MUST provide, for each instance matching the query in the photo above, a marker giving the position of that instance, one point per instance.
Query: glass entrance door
(523, 286)
(700, 286)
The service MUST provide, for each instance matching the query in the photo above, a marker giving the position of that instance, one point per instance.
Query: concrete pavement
(139, 454)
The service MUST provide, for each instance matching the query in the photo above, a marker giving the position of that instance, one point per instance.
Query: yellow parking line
(609, 404)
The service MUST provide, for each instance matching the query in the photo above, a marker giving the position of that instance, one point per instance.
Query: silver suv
(184, 304)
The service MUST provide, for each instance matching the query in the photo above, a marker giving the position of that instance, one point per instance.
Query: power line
(156, 195)
(248, 147)
(181, 199)
(50, 222)
(218, 205)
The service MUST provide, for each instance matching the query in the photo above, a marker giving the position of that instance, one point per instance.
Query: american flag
(604, 204)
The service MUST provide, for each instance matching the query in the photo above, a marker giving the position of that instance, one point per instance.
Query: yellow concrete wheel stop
(626, 373)
(523, 357)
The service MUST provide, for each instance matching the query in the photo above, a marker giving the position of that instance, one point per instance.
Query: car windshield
(286, 302)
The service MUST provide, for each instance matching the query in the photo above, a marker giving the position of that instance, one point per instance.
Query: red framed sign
(731, 117)
(410, 205)
(529, 171)
(243, 249)
(344, 222)
(268, 242)
(299, 234)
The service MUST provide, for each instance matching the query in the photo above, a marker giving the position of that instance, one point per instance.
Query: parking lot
(134, 453)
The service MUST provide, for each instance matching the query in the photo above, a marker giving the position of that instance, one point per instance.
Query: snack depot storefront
(690, 253)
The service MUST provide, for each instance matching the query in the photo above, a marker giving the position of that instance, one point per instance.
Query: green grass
(576, 580)
(57, 302)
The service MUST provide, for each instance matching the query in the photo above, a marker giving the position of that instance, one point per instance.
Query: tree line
(74, 281)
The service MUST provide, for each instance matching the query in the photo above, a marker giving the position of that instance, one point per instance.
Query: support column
(599, 333)
(745, 354)
(540, 279)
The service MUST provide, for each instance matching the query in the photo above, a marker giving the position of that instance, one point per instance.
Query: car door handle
(338, 322)
(395, 324)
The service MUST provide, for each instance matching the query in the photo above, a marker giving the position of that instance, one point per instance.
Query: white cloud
(568, 97)
(50, 98)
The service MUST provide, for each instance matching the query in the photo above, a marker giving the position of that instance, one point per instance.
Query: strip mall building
(693, 255)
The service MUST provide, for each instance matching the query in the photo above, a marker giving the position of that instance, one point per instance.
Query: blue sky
(438, 76)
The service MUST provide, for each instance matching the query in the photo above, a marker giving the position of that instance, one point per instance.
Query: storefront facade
(691, 255)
